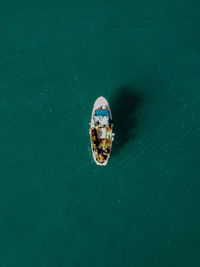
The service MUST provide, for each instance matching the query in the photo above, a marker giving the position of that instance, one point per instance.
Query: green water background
(57, 208)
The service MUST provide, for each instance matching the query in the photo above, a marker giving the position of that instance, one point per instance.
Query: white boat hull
(103, 125)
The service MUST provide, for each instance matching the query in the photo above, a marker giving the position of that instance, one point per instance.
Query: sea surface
(57, 208)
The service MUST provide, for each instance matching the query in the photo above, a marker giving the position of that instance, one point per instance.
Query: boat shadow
(124, 108)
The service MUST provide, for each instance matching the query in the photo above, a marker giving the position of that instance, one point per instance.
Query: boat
(101, 133)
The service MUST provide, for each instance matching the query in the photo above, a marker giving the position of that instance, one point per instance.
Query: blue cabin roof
(101, 112)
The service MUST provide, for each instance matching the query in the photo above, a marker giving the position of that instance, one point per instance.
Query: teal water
(57, 208)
